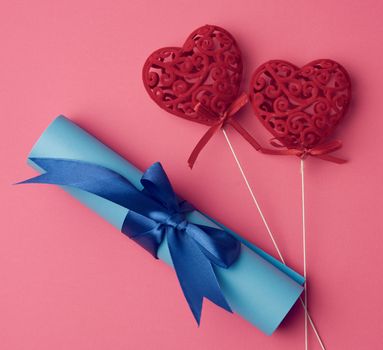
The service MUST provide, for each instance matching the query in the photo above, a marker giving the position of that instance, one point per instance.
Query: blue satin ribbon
(155, 213)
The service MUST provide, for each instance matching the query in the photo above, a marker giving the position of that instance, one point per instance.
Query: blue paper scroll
(256, 286)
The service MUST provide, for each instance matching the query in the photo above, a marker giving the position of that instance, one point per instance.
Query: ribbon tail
(250, 139)
(330, 158)
(95, 179)
(323, 151)
(202, 143)
(195, 273)
(290, 151)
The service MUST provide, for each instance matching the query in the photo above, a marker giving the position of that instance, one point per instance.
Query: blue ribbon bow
(155, 214)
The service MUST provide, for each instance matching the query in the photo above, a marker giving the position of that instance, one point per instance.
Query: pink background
(68, 280)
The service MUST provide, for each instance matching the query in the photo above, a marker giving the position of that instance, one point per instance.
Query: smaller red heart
(301, 107)
(207, 69)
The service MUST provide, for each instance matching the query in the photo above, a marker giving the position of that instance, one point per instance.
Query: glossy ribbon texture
(221, 120)
(155, 214)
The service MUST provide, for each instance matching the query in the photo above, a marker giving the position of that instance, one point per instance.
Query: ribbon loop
(157, 185)
(153, 214)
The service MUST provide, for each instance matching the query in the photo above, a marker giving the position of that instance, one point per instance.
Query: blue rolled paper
(257, 286)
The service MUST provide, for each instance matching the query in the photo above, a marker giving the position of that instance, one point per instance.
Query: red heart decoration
(207, 69)
(300, 106)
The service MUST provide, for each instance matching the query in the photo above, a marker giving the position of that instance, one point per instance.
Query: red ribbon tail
(331, 158)
(250, 139)
(202, 143)
(241, 101)
(320, 152)
(323, 151)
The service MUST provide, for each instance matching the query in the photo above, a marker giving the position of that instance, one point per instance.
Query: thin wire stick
(269, 232)
(304, 244)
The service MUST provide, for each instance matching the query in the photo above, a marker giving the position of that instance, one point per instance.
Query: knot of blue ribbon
(155, 214)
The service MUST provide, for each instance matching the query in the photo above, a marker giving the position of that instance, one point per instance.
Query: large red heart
(207, 69)
(300, 106)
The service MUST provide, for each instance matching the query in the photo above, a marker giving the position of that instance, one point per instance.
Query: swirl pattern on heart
(207, 69)
(300, 106)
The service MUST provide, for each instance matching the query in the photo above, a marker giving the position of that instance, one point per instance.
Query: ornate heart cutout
(207, 69)
(300, 106)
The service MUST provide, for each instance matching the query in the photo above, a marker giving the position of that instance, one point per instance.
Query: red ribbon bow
(321, 151)
(226, 118)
